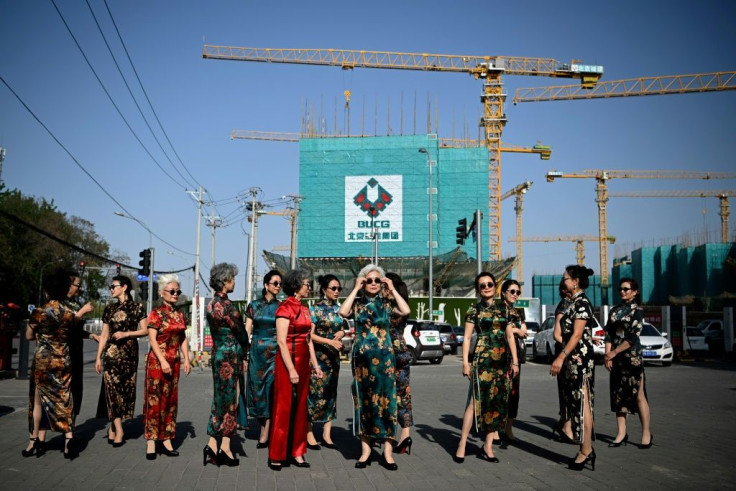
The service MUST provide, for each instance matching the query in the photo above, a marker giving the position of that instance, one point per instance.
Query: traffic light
(117, 270)
(144, 290)
(145, 262)
(82, 265)
(461, 232)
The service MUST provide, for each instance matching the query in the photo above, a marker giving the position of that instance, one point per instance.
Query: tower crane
(490, 69)
(721, 195)
(662, 85)
(578, 239)
(519, 192)
(544, 151)
(602, 176)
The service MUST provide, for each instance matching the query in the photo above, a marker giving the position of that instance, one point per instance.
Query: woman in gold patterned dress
(495, 358)
(117, 357)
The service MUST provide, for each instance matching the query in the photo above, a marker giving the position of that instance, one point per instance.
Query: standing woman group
(374, 387)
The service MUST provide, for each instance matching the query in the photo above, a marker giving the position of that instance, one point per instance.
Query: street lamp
(430, 192)
(149, 300)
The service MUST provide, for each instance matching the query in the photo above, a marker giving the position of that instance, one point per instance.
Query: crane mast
(578, 239)
(489, 69)
(518, 192)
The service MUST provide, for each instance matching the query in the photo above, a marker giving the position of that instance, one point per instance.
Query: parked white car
(655, 346)
(424, 342)
(543, 345)
(695, 339)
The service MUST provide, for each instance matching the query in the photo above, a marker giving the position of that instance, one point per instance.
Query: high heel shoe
(484, 456)
(262, 444)
(118, 444)
(303, 463)
(362, 464)
(404, 446)
(223, 459)
(648, 445)
(167, 452)
(458, 460)
(331, 446)
(562, 437)
(209, 456)
(624, 441)
(390, 466)
(313, 447)
(274, 465)
(36, 448)
(579, 466)
(71, 451)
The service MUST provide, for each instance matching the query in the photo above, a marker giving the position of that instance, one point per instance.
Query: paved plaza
(693, 412)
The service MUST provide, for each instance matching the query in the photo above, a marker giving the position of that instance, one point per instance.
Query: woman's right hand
(359, 281)
(165, 367)
(98, 366)
(336, 343)
(293, 376)
(466, 369)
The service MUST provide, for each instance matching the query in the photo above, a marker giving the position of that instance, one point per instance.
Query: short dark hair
(293, 280)
(267, 279)
(580, 273)
(57, 283)
(124, 281)
(324, 281)
(399, 285)
(506, 284)
(479, 276)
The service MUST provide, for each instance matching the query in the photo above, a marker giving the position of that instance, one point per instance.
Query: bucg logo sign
(378, 197)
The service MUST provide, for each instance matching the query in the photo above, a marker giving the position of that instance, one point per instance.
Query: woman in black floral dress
(624, 360)
(510, 291)
(327, 332)
(577, 364)
(117, 357)
(403, 362)
(495, 358)
(562, 427)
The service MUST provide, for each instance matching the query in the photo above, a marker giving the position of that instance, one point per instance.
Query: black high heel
(262, 444)
(71, 451)
(648, 445)
(303, 463)
(562, 437)
(36, 449)
(484, 456)
(390, 466)
(404, 446)
(331, 446)
(579, 466)
(167, 452)
(458, 460)
(274, 465)
(223, 459)
(209, 456)
(314, 447)
(362, 464)
(624, 441)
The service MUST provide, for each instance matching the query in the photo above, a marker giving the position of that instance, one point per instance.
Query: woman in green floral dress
(624, 360)
(489, 370)
(374, 386)
(260, 322)
(327, 332)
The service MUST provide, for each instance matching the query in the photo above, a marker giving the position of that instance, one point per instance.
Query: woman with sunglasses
(495, 356)
(624, 360)
(229, 344)
(123, 322)
(374, 387)
(260, 322)
(327, 332)
(510, 291)
(576, 362)
(166, 336)
(291, 374)
(562, 428)
(402, 358)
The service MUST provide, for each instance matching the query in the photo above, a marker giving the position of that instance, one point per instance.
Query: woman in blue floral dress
(260, 322)
(576, 362)
(624, 360)
(229, 344)
(495, 358)
(327, 332)
(374, 386)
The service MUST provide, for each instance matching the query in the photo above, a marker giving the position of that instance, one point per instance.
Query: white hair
(165, 279)
(370, 268)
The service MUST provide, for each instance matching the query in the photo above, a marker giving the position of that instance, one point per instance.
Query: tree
(25, 253)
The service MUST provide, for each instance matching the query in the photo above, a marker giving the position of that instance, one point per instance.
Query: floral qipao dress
(625, 322)
(263, 350)
(578, 369)
(161, 397)
(322, 401)
(402, 359)
(374, 387)
(51, 371)
(229, 343)
(120, 361)
(489, 382)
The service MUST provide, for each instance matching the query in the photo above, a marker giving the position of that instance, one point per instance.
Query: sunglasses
(173, 292)
(78, 285)
(370, 281)
(483, 286)
(335, 288)
(514, 292)
(112, 287)
(624, 289)
(275, 283)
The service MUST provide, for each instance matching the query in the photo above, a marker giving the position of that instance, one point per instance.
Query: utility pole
(214, 222)
(254, 206)
(296, 199)
(195, 305)
(478, 241)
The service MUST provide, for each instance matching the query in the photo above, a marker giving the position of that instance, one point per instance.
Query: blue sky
(200, 101)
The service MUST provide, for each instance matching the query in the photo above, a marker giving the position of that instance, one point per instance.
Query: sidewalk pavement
(692, 420)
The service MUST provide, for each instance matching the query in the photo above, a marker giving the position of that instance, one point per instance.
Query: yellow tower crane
(490, 69)
(544, 151)
(721, 195)
(519, 192)
(602, 176)
(578, 239)
(662, 85)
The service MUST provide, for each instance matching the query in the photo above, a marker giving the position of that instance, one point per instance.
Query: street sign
(521, 304)
(31, 307)
(436, 312)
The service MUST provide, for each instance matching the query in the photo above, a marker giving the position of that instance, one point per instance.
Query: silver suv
(424, 342)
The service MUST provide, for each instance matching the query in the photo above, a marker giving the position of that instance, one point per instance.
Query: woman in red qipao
(289, 422)
(166, 334)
